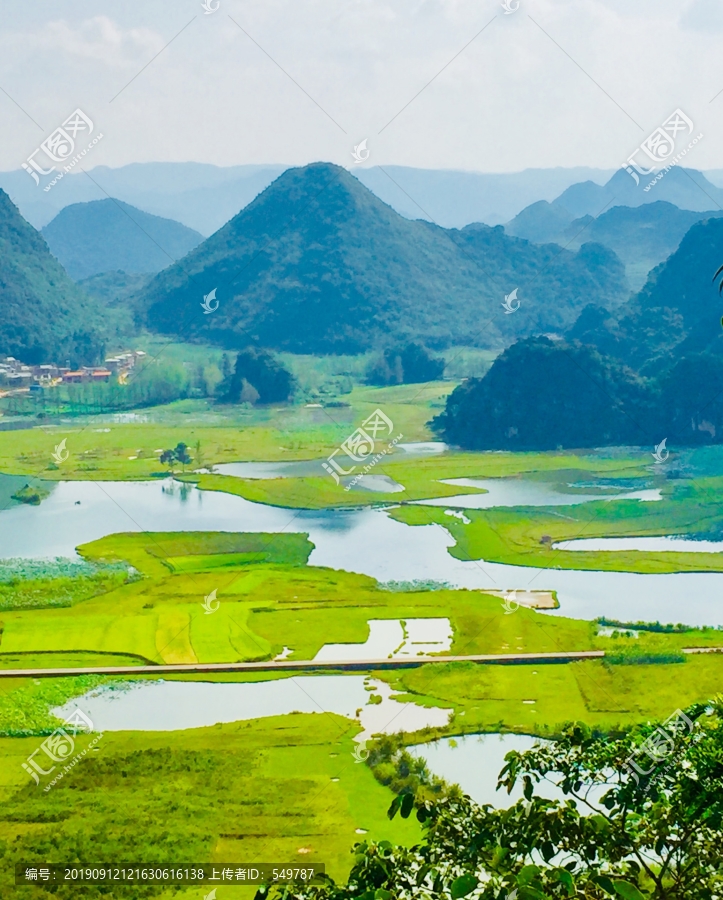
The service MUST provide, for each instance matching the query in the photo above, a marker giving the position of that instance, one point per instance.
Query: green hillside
(318, 264)
(44, 317)
(678, 307)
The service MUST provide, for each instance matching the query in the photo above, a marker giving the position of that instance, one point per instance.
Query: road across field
(306, 665)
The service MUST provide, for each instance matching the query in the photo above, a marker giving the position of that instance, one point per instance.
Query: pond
(173, 705)
(651, 544)
(312, 468)
(474, 762)
(367, 541)
(520, 492)
(394, 639)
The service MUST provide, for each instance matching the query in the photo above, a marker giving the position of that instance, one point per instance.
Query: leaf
(605, 883)
(422, 814)
(407, 805)
(394, 807)
(463, 885)
(628, 891)
(567, 880)
(382, 894)
(527, 873)
(547, 850)
(527, 790)
(384, 849)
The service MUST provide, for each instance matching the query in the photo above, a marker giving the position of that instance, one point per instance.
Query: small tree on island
(178, 454)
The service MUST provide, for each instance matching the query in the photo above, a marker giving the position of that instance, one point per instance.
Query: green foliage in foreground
(614, 835)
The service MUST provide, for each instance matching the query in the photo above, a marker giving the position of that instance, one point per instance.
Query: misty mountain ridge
(204, 197)
(109, 235)
(641, 236)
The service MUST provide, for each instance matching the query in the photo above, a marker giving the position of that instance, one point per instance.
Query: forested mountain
(109, 235)
(44, 316)
(679, 309)
(317, 263)
(651, 369)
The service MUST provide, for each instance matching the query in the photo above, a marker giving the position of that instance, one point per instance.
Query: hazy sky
(555, 83)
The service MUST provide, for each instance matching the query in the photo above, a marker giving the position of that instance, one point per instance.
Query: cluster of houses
(16, 376)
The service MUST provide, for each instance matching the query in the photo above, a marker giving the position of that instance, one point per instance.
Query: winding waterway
(364, 540)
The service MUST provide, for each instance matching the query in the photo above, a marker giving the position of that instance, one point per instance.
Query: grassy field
(101, 448)
(515, 536)
(269, 598)
(538, 699)
(285, 788)
(282, 789)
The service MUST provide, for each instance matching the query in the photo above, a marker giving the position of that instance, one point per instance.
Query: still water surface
(175, 705)
(367, 541)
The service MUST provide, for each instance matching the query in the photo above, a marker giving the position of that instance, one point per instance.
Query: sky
(445, 84)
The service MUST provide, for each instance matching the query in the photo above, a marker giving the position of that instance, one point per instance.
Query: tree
(168, 457)
(411, 364)
(258, 374)
(182, 455)
(642, 818)
(178, 454)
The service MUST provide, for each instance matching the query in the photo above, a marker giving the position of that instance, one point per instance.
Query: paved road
(306, 665)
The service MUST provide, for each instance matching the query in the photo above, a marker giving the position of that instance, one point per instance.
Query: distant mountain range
(318, 264)
(107, 235)
(44, 316)
(641, 236)
(205, 197)
(686, 188)
(200, 196)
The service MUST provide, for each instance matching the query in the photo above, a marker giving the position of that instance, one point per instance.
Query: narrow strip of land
(309, 665)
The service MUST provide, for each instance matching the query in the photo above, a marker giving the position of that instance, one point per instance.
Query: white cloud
(559, 92)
